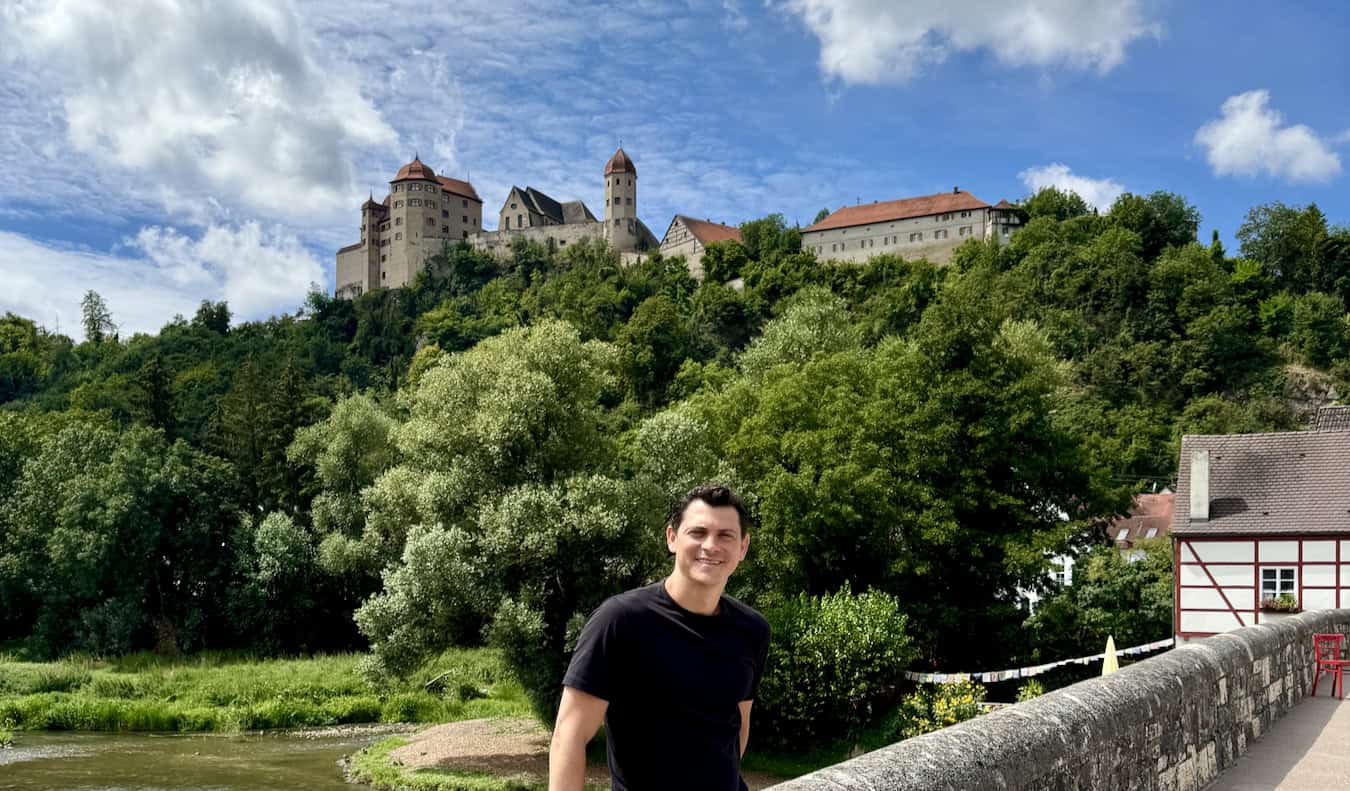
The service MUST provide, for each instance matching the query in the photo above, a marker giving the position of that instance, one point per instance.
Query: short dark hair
(715, 495)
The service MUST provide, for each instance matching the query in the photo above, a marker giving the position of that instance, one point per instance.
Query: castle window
(965, 214)
(513, 205)
(431, 221)
(445, 229)
(508, 223)
(464, 219)
(965, 231)
(629, 201)
(466, 234)
(630, 182)
(445, 213)
(616, 223)
(832, 248)
(916, 237)
(398, 188)
(398, 236)
(398, 204)
(616, 201)
(383, 274)
(466, 203)
(414, 201)
(431, 203)
(384, 258)
(398, 221)
(520, 221)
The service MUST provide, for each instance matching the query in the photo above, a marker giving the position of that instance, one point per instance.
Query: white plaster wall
(1318, 599)
(1279, 552)
(1203, 599)
(1208, 621)
(861, 242)
(1319, 575)
(1345, 574)
(1319, 551)
(1221, 551)
(1224, 575)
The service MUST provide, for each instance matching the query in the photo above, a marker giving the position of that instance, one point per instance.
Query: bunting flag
(989, 676)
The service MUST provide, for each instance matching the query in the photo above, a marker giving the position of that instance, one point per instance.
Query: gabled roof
(543, 204)
(574, 211)
(1333, 418)
(1269, 484)
(903, 209)
(457, 187)
(1148, 512)
(707, 232)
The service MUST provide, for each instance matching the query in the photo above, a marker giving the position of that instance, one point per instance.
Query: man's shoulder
(628, 603)
(743, 612)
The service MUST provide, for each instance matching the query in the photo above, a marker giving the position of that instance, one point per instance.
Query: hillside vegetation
(483, 457)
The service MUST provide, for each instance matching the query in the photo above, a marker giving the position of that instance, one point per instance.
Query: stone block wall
(1172, 723)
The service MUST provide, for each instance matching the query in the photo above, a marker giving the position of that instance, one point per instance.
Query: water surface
(145, 762)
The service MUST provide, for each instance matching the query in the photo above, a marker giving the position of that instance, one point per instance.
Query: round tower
(415, 227)
(620, 188)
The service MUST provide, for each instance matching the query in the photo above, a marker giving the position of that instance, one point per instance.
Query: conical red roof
(620, 163)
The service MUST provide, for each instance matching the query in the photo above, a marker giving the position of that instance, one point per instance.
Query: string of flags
(1034, 670)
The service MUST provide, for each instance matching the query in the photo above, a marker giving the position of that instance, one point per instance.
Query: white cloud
(1252, 138)
(259, 272)
(219, 99)
(882, 41)
(1099, 193)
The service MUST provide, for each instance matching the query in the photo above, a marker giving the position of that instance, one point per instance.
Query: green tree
(213, 317)
(652, 345)
(820, 215)
(512, 512)
(1288, 241)
(1162, 220)
(95, 317)
(1056, 204)
(724, 261)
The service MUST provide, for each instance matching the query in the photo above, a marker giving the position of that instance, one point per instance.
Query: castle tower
(620, 188)
(621, 201)
(415, 228)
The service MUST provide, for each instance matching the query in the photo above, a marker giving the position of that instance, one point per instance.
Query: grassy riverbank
(216, 692)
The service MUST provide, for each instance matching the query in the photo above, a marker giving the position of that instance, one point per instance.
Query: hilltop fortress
(424, 211)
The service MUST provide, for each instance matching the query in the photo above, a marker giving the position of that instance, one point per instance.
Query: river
(55, 761)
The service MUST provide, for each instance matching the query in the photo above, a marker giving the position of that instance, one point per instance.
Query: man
(671, 668)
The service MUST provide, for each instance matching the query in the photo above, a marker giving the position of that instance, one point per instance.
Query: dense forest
(484, 456)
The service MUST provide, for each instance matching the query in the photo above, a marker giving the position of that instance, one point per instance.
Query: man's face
(709, 544)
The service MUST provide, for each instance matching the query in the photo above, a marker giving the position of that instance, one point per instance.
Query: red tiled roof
(1269, 484)
(708, 232)
(903, 209)
(457, 187)
(415, 170)
(620, 163)
(1149, 512)
(1004, 204)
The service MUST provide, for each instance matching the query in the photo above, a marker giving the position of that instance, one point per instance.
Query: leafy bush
(935, 707)
(834, 664)
(1029, 690)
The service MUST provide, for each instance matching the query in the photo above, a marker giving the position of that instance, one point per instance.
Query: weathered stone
(1173, 723)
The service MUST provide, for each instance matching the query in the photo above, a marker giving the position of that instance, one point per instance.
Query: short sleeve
(761, 659)
(595, 663)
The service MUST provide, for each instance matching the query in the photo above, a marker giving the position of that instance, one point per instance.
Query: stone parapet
(1172, 723)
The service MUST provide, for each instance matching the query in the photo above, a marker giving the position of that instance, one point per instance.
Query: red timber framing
(1190, 556)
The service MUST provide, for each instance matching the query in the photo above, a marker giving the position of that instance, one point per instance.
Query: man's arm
(745, 723)
(579, 717)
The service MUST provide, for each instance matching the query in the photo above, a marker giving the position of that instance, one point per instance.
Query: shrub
(1029, 690)
(935, 707)
(834, 664)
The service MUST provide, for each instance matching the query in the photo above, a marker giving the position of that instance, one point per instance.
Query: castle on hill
(424, 211)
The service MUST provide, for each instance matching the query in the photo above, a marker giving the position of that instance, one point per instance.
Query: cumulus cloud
(229, 99)
(161, 272)
(1098, 193)
(1250, 138)
(881, 41)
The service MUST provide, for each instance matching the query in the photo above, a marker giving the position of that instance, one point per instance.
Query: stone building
(421, 213)
(690, 238)
(929, 227)
(530, 214)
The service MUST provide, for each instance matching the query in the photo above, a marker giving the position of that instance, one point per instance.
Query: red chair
(1327, 653)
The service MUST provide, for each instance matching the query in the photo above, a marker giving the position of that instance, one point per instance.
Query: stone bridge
(1174, 722)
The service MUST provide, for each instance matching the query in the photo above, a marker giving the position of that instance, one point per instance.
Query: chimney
(1200, 486)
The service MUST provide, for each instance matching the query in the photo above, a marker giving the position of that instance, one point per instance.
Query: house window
(445, 213)
(384, 258)
(464, 219)
(508, 223)
(916, 237)
(1124, 532)
(445, 229)
(1152, 533)
(832, 248)
(431, 221)
(466, 234)
(398, 204)
(616, 201)
(1276, 582)
(964, 231)
(431, 203)
(398, 221)
(398, 188)
(383, 274)
(414, 201)
(465, 202)
(629, 201)
(398, 236)
(513, 205)
(965, 214)
(520, 221)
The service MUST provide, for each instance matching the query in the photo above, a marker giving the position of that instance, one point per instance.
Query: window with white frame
(1277, 582)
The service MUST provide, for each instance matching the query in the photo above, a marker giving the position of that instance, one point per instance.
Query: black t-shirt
(673, 680)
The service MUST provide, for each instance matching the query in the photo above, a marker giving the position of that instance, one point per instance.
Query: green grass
(225, 692)
(373, 767)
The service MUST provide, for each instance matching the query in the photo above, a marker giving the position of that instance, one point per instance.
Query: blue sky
(168, 151)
